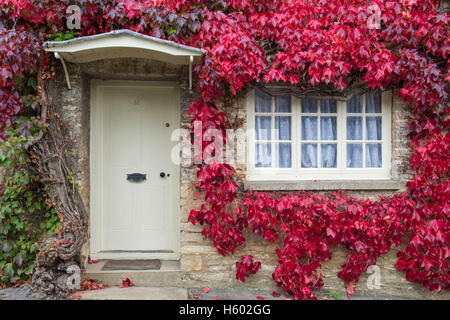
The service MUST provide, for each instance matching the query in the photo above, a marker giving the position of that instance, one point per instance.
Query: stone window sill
(322, 185)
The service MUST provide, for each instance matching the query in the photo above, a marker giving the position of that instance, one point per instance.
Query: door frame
(96, 174)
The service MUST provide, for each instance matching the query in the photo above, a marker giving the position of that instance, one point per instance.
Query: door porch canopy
(123, 44)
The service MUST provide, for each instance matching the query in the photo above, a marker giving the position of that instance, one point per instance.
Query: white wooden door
(136, 126)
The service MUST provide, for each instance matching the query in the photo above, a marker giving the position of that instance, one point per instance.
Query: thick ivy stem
(50, 278)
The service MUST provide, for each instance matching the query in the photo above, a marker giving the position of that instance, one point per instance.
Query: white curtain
(329, 153)
(373, 129)
(354, 151)
(354, 155)
(309, 106)
(283, 103)
(263, 155)
(354, 105)
(283, 155)
(373, 102)
(283, 150)
(354, 132)
(309, 128)
(309, 155)
(328, 106)
(282, 128)
(373, 154)
(309, 151)
(263, 127)
(354, 128)
(373, 151)
(328, 131)
(263, 102)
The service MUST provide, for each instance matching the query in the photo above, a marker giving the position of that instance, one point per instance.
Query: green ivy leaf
(18, 80)
(32, 82)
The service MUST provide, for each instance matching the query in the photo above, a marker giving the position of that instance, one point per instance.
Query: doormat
(154, 264)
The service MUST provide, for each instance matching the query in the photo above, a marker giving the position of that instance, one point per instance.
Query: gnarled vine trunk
(51, 277)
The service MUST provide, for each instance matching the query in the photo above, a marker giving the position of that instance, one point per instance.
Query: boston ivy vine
(330, 44)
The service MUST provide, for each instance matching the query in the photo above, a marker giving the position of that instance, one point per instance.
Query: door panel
(135, 139)
(152, 213)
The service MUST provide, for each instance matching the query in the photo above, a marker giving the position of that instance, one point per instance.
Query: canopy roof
(123, 44)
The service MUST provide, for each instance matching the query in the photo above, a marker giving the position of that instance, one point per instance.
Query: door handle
(162, 175)
(136, 177)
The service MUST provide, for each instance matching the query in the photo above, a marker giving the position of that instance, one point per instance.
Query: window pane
(328, 106)
(328, 129)
(263, 102)
(263, 155)
(309, 128)
(282, 128)
(354, 155)
(309, 106)
(354, 105)
(354, 128)
(373, 128)
(283, 103)
(373, 155)
(309, 155)
(329, 154)
(283, 155)
(373, 102)
(263, 126)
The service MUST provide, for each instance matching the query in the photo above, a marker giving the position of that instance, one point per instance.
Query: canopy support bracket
(58, 56)
(191, 60)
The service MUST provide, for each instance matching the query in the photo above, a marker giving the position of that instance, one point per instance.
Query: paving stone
(135, 293)
(19, 293)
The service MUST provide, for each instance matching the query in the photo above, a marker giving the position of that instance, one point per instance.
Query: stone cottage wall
(200, 262)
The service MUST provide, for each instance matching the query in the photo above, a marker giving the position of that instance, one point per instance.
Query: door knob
(162, 174)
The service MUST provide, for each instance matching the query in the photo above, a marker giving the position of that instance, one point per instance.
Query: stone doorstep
(167, 276)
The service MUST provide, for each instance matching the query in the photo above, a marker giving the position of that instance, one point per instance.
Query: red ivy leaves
(246, 267)
(90, 261)
(126, 283)
(220, 191)
(350, 289)
(19, 52)
(321, 42)
(206, 289)
(91, 284)
(312, 224)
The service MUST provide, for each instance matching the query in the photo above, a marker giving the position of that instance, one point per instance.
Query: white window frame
(339, 173)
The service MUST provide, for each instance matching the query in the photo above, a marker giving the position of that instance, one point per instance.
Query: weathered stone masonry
(200, 262)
